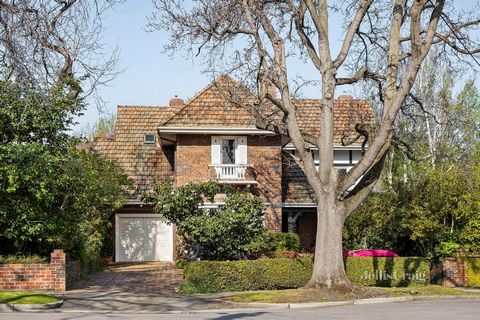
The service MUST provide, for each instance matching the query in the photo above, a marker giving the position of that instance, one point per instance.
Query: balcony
(232, 173)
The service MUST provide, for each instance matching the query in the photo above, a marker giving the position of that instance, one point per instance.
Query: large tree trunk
(328, 269)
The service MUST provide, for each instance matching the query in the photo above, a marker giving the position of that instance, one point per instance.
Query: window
(149, 139)
(229, 150)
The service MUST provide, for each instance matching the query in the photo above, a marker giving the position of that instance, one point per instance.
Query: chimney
(345, 96)
(176, 102)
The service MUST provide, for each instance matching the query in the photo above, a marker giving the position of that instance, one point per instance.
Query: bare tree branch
(47, 42)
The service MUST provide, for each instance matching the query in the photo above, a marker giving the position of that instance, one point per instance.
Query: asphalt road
(425, 310)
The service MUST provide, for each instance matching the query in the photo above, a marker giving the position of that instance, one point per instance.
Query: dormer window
(149, 139)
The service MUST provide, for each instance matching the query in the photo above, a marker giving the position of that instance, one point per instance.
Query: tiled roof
(139, 160)
(347, 113)
(211, 108)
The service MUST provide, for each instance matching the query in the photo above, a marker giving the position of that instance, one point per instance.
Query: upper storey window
(229, 150)
(229, 159)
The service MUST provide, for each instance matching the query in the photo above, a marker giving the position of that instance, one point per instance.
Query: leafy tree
(103, 127)
(428, 215)
(52, 193)
(35, 116)
(229, 232)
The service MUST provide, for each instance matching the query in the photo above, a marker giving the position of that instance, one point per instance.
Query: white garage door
(143, 237)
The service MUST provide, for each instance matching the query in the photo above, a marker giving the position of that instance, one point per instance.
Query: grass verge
(20, 297)
(319, 295)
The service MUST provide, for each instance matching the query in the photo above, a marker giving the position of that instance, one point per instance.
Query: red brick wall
(266, 156)
(35, 277)
(454, 273)
(264, 152)
(192, 159)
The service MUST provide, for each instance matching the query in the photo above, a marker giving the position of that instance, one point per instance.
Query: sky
(150, 77)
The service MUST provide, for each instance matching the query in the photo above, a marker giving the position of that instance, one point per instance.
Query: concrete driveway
(144, 287)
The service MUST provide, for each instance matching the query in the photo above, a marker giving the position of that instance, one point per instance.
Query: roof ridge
(335, 99)
(142, 106)
(199, 93)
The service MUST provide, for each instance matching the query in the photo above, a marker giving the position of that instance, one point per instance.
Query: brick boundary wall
(454, 273)
(35, 277)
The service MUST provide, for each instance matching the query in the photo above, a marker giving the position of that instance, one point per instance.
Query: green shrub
(473, 272)
(284, 253)
(286, 240)
(261, 274)
(275, 245)
(388, 272)
(230, 232)
(446, 249)
(53, 193)
(13, 259)
(273, 274)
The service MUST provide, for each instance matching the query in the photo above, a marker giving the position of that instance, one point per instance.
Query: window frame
(241, 156)
(145, 141)
(235, 148)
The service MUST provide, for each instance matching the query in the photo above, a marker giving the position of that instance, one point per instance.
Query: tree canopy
(53, 193)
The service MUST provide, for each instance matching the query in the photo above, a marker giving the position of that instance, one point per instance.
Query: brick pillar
(57, 265)
(454, 273)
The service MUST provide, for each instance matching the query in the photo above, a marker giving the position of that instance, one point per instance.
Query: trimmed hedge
(244, 275)
(275, 274)
(473, 271)
(388, 272)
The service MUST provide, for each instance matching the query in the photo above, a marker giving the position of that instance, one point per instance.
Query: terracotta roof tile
(127, 147)
(210, 108)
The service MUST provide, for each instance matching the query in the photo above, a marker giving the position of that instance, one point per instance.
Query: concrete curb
(307, 305)
(14, 307)
(5, 308)
(257, 306)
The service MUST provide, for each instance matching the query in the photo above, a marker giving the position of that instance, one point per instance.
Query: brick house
(209, 138)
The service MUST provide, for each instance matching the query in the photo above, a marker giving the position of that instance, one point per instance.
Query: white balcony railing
(230, 171)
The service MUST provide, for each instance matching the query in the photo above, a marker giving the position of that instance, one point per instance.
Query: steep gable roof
(211, 108)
